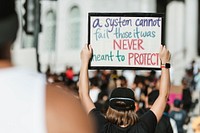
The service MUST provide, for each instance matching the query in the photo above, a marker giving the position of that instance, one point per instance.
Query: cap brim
(122, 104)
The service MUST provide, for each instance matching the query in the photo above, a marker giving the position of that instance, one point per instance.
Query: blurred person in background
(102, 102)
(196, 93)
(69, 73)
(164, 125)
(179, 115)
(196, 124)
(187, 96)
(94, 89)
(121, 81)
(28, 104)
(172, 121)
(139, 90)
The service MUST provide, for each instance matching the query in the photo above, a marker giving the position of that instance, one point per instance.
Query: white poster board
(125, 40)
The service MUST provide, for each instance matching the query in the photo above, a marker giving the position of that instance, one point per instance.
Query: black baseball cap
(122, 99)
(8, 21)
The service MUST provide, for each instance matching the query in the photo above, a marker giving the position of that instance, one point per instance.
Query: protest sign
(125, 40)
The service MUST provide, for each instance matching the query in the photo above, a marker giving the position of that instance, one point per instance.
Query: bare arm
(159, 105)
(86, 101)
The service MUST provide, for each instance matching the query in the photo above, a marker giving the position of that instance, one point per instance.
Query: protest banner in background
(125, 40)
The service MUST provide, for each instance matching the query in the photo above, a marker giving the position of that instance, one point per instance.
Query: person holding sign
(121, 116)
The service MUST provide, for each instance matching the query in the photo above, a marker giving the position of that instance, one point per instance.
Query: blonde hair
(125, 118)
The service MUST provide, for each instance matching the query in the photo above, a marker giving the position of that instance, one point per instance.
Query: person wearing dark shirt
(164, 125)
(120, 116)
(187, 96)
(179, 115)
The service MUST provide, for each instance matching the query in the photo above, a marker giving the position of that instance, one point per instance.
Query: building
(64, 31)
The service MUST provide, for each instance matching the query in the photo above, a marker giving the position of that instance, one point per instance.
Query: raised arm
(86, 101)
(160, 103)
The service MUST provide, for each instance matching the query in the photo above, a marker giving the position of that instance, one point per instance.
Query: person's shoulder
(184, 113)
(172, 113)
(95, 111)
(64, 112)
(150, 114)
(138, 128)
(98, 116)
(165, 119)
(142, 111)
(147, 121)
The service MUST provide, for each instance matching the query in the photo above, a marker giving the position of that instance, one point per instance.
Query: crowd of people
(103, 101)
(145, 85)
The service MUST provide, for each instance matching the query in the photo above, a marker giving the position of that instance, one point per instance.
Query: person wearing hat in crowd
(120, 116)
(179, 115)
(28, 104)
(164, 125)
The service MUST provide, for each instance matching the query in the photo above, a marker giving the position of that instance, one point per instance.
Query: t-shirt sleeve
(99, 119)
(149, 121)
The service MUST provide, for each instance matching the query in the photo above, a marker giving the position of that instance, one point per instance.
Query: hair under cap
(8, 21)
(122, 99)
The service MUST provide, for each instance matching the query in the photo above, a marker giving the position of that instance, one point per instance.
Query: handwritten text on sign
(125, 41)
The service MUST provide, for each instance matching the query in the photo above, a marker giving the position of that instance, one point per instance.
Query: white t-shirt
(22, 101)
(197, 80)
(94, 92)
